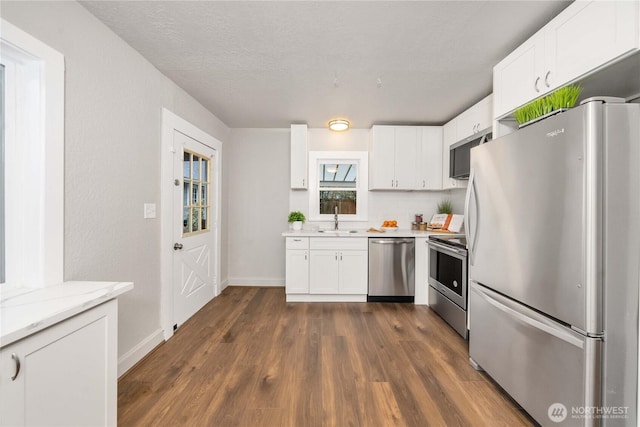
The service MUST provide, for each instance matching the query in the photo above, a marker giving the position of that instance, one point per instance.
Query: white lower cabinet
(297, 265)
(339, 266)
(422, 271)
(329, 269)
(353, 269)
(63, 375)
(323, 272)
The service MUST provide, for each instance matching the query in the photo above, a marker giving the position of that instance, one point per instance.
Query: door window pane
(196, 168)
(185, 221)
(195, 215)
(205, 169)
(203, 195)
(195, 189)
(186, 165)
(204, 219)
(185, 193)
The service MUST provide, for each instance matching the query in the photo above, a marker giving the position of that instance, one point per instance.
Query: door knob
(177, 246)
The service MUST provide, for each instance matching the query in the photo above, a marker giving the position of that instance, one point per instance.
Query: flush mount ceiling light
(339, 125)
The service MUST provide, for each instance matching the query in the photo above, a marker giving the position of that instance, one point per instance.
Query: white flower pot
(297, 225)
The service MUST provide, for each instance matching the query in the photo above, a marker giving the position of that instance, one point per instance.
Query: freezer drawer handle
(556, 332)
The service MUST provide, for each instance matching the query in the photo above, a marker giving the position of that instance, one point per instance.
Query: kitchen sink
(337, 232)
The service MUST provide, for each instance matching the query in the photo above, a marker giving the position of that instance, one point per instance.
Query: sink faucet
(335, 218)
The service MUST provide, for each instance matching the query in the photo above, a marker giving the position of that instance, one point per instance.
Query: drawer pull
(17, 360)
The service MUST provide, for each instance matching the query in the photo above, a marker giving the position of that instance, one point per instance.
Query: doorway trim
(170, 123)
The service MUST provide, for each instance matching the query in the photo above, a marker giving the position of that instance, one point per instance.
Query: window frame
(34, 225)
(199, 206)
(360, 158)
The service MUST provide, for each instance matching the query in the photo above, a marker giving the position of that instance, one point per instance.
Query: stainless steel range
(448, 279)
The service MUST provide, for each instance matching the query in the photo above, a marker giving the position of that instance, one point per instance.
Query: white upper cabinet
(429, 168)
(475, 119)
(392, 157)
(588, 35)
(406, 151)
(382, 167)
(584, 37)
(299, 168)
(449, 137)
(516, 80)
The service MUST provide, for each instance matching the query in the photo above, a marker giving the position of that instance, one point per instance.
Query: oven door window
(449, 272)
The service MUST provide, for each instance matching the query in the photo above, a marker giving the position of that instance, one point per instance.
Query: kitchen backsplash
(388, 205)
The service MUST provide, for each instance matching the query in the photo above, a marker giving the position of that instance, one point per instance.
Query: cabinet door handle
(303, 182)
(391, 183)
(478, 127)
(16, 359)
(535, 85)
(336, 254)
(396, 183)
(340, 256)
(305, 256)
(546, 79)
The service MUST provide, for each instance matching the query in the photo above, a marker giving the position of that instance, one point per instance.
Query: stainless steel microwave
(460, 153)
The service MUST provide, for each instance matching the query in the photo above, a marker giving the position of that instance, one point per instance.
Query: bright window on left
(33, 160)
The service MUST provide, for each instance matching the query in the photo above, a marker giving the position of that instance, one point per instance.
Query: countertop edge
(26, 323)
(363, 233)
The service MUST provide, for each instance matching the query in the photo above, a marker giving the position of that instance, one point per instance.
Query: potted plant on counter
(296, 218)
(445, 207)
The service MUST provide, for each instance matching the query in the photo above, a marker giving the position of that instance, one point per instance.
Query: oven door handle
(458, 253)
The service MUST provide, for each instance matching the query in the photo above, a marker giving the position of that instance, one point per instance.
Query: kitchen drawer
(339, 243)
(297, 243)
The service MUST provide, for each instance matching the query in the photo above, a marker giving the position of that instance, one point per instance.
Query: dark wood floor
(250, 359)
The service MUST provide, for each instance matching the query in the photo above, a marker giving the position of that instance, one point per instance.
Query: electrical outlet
(149, 210)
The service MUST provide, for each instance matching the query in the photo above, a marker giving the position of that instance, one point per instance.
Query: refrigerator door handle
(467, 229)
(548, 327)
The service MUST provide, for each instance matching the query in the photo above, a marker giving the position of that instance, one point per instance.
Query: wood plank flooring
(250, 359)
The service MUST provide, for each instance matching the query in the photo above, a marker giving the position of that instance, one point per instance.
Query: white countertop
(24, 311)
(362, 233)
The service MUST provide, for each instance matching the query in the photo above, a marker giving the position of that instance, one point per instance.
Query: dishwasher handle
(392, 241)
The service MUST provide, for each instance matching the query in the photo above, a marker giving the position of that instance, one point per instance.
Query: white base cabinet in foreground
(63, 375)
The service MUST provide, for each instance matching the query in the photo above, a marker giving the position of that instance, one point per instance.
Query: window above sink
(338, 179)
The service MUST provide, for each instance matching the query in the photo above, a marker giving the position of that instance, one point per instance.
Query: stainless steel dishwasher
(391, 269)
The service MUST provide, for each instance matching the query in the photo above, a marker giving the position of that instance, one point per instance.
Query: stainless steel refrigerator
(553, 229)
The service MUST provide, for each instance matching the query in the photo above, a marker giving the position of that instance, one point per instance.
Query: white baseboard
(223, 285)
(238, 281)
(133, 356)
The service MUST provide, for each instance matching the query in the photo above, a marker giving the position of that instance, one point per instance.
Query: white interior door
(194, 226)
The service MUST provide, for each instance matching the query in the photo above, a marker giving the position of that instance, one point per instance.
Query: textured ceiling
(272, 63)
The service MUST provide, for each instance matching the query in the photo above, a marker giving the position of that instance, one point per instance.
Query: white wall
(114, 99)
(259, 199)
(257, 177)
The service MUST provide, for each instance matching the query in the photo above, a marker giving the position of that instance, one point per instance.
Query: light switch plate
(149, 210)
